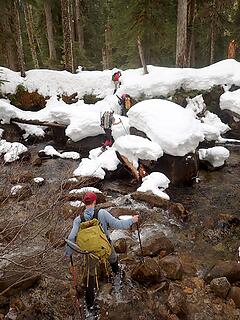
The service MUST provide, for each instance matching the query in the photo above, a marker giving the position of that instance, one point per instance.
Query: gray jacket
(106, 220)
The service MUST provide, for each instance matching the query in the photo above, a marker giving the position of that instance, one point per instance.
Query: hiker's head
(89, 198)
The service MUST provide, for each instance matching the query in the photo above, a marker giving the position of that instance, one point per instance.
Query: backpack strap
(95, 215)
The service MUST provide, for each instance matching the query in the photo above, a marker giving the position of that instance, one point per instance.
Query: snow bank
(156, 182)
(216, 155)
(169, 125)
(159, 81)
(231, 101)
(134, 148)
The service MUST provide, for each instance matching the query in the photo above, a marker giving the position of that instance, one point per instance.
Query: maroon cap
(89, 197)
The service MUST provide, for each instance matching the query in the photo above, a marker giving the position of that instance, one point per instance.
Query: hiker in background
(232, 49)
(116, 80)
(125, 101)
(107, 120)
(106, 220)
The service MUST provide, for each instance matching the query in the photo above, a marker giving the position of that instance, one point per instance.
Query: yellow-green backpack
(92, 238)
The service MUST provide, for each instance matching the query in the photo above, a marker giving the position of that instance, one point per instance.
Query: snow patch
(216, 155)
(156, 182)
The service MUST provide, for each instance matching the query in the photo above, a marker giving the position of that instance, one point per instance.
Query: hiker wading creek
(198, 243)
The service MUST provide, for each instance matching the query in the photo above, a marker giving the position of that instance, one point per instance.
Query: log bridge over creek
(58, 130)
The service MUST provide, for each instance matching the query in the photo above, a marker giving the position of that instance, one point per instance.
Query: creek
(205, 237)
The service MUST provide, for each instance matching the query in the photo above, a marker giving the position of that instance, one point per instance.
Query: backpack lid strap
(95, 215)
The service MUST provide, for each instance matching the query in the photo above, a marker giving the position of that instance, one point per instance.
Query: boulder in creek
(176, 300)
(22, 193)
(85, 144)
(228, 269)
(220, 286)
(179, 170)
(80, 182)
(15, 282)
(150, 198)
(178, 210)
(171, 267)
(120, 245)
(147, 272)
(154, 244)
(234, 294)
(79, 195)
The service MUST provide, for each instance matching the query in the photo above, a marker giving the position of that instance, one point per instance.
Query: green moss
(90, 99)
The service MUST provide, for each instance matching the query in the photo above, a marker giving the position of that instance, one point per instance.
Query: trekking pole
(123, 126)
(75, 285)
(140, 242)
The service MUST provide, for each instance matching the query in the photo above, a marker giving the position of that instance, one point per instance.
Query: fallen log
(39, 123)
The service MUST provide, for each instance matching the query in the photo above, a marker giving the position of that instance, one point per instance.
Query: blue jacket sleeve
(108, 220)
(72, 235)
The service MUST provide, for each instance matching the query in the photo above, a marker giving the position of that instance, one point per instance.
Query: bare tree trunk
(191, 33)
(72, 21)
(49, 23)
(141, 55)
(181, 46)
(29, 26)
(108, 45)
(67, 35)
(79, 26)
(213, 32)
(104, 58)
(18, 35)
(10, 49)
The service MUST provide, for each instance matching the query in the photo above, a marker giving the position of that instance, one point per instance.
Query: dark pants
(92, 266)
(108, 134)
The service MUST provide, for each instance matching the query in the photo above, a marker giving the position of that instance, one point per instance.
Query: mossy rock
(91, 99)
(27, 101)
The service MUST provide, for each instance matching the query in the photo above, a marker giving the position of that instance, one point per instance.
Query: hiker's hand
(135, 218)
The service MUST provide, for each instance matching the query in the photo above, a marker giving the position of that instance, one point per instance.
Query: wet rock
(228, 269)
(14, 282)
(37, 161)
(23, 193)
(229, 219)
(23, 177)
(116, 212)
(11, 133)
(178, 210)
(86, 144)
(176, 300)
(105, 205)
(150, 198)
(147, 272)
(69, 212)
(155, 244)
(220, 286)
(80, 182)
(79, 195)
(25, 156)
(234, 294)
(45, 156)
(120, 245)
(172, 267)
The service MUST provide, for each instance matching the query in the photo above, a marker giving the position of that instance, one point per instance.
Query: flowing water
(200, 241)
